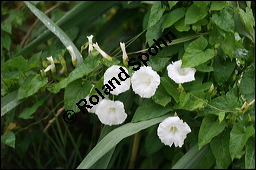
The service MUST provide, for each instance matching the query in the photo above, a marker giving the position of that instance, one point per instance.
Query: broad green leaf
(228, 45)
(57, 31)
(31, 85)
(74, 92)
(215, 37)
(6, 41)
(210, 127)
(173, 17)
(157, 63)
(204, 68)
(27, 112)
(224, 20)
(90, 64)
(194, 14)
(221, 116)
(191, 158)
(171, 87)
(148, 110)
(188, 102)
(9, 102)
(113, 138)
(224, 103)
(152, 137)
(172, 4)
(181, 26)
(160, 96)
(220, 149)
(207, 160)
(156, 13)
(247, 85)
(218, 5)
(109, 63)
(223, 69)
(15, 64)
(238, 137)
(195, 53)
(250, 154)
(9, 139)
(248, 19)
(201, 4)
(154, 32)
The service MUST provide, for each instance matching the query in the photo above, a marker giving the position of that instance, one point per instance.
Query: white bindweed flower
(90, 43)
(125, 57)
(52, 66)
(72, 53)
(180, 75)
(94, 107)
(145, 82)
(103, 53)
(111, 112)
(173, 130)
(118, 79)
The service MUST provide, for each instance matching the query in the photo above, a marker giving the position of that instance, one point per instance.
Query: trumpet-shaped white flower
(94, 107)
(90, 43)
(103, 53)
(145, 82)
(180, 75)
(72, 53)
(125, 57)
(111, 112)
(173, 130)
(118, 78)
(50, 67)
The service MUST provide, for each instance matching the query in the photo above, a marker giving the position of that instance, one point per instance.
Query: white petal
(72, 53)
(52, 66)
(90, 43)
(114, 71)
(125, 57)
(173, 130)
(145, 82)
(111, 112)
(105, 55)
(180, 75)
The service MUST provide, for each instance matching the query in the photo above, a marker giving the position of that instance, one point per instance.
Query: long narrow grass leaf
(57, 31)
(114, 137)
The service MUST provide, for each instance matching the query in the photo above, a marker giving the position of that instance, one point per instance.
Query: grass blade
(57, 31)
(191, 158)
(114, 137)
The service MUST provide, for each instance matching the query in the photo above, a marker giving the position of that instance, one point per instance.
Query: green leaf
(215, 37)
(195, 53)
(220, 149)
(171, 87)
(247, 85)
(160, 96)
(156, 13)
(218, 5)
(229, 46)
(154, 32)
(172, 4)
(6, 41)
(31, 85)
(157, 63)
(248, 19)
(74, 92)
(223, 69)
(173, 17)
(210, 127)
(57, 31)
(113, 138)
(250, 154)
(204, 68)
(9, 102)
(27, 112)
(201, 4)
(90, 64)
(188, 102)
(151, 137)
(191, 158)
(148, 110)
(194, 14)
(9, 139)
(224, 20)
(238, 137)
(225, 103)
(181, 26)
(207, 160)
(15, 64)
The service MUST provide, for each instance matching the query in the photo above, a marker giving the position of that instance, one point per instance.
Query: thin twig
(53, 119)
